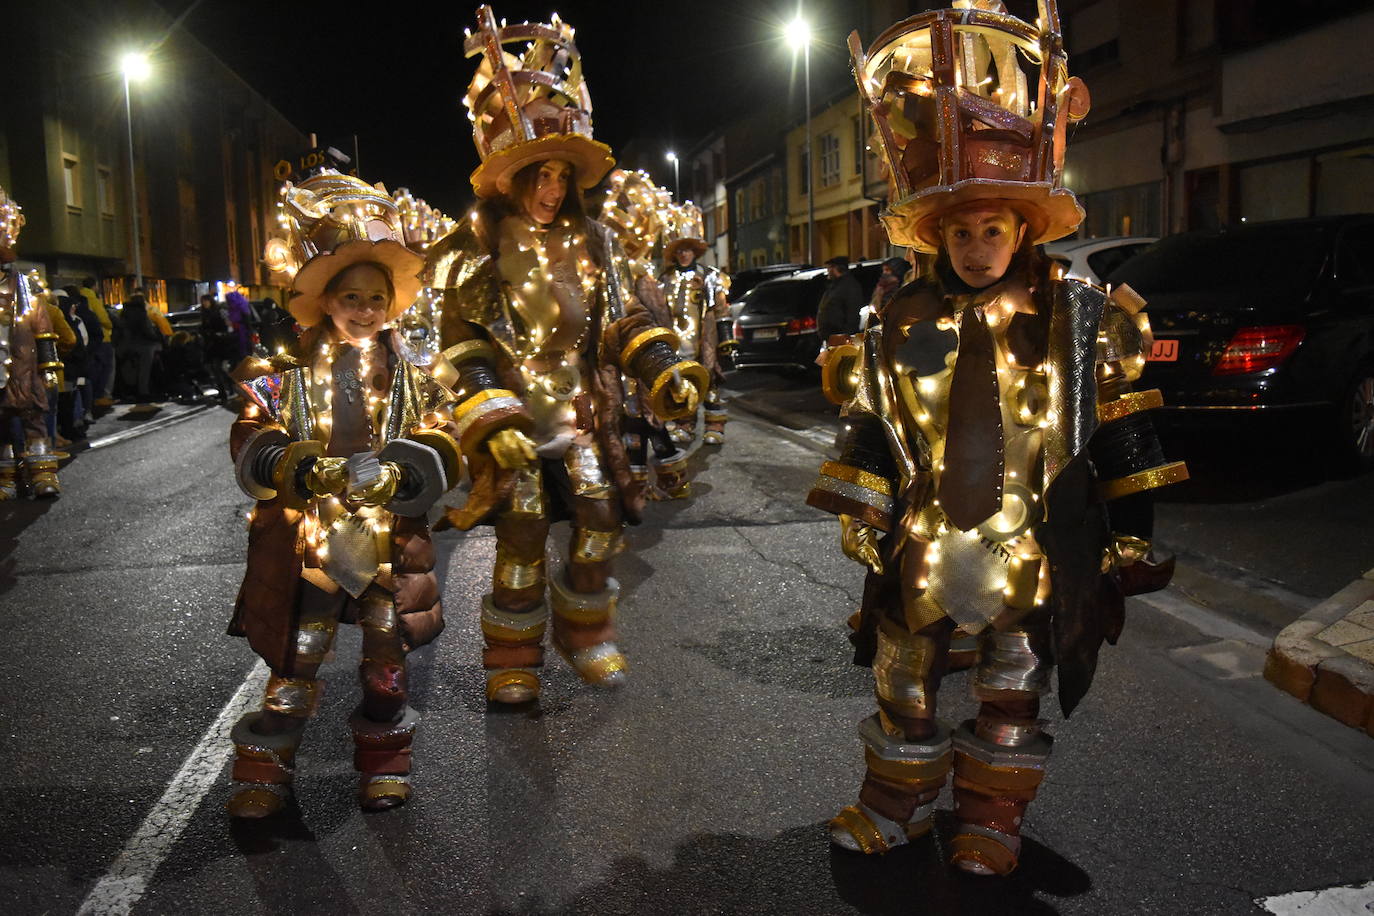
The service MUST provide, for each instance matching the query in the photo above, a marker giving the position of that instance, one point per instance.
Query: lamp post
(135, 67)
(798, 34)
(677, 190)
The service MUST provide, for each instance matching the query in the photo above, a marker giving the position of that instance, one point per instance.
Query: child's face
(359, 305)
(981, 242)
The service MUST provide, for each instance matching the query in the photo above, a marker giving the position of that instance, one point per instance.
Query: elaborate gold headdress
(684, 230)
(633, 208)
(529, 108)
(11, 220)
(972, 104)
(318, 220)
(421, 224)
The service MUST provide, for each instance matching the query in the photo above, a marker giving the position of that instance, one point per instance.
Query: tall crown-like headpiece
(633, 209)
(421, 224)
(684, 229)
(324, 211)
(972, 104)
(11, 220)
(532, 107)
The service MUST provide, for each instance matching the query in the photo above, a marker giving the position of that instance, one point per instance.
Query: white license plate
(1164, 351)
(766, 334)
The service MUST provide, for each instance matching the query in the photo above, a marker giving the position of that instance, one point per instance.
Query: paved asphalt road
(1183, 784)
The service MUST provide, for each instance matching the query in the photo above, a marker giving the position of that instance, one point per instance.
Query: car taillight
(801, 325)
(734, 330)
(1257, 349)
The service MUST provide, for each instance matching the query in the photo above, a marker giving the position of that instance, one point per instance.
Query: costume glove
(512, 449)
(860, 543)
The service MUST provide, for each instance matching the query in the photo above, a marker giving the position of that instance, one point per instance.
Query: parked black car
(751, 277)
(777, 324)
(1266, 322)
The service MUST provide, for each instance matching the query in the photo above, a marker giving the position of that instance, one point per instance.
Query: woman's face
(981, 242)
(359, 304)
(545, 198)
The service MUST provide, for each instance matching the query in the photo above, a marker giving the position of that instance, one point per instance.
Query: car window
(784, 297)
(1355, 256)
(1282, 260)
(1109, 259)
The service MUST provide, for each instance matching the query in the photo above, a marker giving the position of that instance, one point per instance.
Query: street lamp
(134, 66)
(677, 191)
(798, 35)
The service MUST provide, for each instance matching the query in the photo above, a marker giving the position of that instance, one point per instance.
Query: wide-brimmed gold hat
(529, 108)
(402, 264)
(971, 104)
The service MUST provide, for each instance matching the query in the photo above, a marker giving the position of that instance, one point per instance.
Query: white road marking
(1348, 900)
(128, 877)
(146, 427)
(1203, 619)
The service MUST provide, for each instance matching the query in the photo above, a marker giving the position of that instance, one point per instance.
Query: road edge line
(129, 876)
(125, 435)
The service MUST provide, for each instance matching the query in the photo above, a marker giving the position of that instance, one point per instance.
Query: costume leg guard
(670, 477)
(716, 418)
(381, 753)
(514, 651)
(682, 431)
(584, 631)
(9, 473)
(40, 466)
(907, 750)
(383, 725)
(999, 759)
(899, 791)
(263, 766)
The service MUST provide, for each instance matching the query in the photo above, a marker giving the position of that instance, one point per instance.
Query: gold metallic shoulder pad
(1124, 336)
(463, 271)
(840, 372)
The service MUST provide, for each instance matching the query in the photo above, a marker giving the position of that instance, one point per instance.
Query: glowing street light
(797, 33)
(677, 191)
(134, 65)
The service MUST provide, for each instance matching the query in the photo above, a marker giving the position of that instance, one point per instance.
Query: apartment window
(105, 190)
(803, 170)
(71, 180)
(739, 205)
(830, 160)
(756, 194)
(858, 123)
(1094, 35)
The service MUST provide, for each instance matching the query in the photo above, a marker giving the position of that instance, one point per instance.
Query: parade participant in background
(637, 210)
(696, 301)
(530, 281)
(239, 312)
(142, 343)
(346, 444)
(996, 464)
(894, 272)
(28, 371)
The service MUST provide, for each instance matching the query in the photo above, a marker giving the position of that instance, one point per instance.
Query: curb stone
(1326, 658)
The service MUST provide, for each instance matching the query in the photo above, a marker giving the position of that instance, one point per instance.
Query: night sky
(664, 73)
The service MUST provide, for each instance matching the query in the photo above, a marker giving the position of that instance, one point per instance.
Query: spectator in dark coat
(840, 303)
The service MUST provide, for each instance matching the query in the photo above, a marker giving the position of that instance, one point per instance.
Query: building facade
(1214, 112)
(206, 147)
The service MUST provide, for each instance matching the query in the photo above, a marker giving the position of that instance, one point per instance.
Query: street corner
(1326, 658)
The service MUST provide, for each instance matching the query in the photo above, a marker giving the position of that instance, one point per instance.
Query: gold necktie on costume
(971, 482)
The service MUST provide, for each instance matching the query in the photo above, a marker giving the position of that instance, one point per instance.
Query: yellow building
(849, 186)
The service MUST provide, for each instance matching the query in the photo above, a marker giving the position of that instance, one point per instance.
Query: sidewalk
(1326, 658)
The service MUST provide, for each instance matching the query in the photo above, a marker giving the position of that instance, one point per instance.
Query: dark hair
(204, 296)
(88, 281)
(523, 182)
(333, 285)
(839, 261)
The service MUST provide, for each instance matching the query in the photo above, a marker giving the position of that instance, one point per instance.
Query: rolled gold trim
(591, 546)
(1127, 404)
(503, 634)
(840, 363)
(461, 412)
(690, 372)
(910, 772)
(1162, 476)
(479, 405)
(857, 476)
(642, 340)
(468, 349)
(516, 575)
(450, 452)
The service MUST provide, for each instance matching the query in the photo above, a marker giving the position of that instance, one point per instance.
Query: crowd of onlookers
(132, 353)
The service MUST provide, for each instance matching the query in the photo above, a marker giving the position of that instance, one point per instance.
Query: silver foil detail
(1017, 659)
